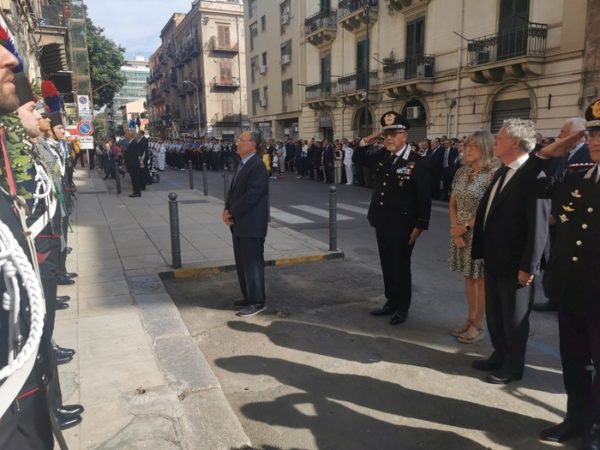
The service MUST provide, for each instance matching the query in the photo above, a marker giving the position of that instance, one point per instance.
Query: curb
(196, 272)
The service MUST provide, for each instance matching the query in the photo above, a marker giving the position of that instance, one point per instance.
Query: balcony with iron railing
(225, 84)
(218, 47)
(353, 14)
(352, 87)
(321, 28)
(515, 53)
(52, 16)
(321, 95)
(410, 76)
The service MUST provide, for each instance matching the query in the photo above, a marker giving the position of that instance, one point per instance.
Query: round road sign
(85, 127)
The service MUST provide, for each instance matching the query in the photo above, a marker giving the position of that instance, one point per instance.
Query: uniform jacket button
(590, 210)
(578, 243)
(575, 258)
(584, 226)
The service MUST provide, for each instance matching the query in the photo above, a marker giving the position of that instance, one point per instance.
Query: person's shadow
(355, 411)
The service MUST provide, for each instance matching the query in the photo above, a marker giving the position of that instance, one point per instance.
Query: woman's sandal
(460, 330)
(466, 338)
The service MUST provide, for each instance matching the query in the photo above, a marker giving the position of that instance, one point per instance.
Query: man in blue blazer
(247, 214)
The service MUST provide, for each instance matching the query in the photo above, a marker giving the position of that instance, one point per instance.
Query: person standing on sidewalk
(399, 210)
(246, 213)
(132, 163)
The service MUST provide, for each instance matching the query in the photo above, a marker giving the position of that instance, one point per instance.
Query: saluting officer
(399, 210)
(573, 270)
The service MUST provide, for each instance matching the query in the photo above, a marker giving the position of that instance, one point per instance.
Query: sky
(135, 24)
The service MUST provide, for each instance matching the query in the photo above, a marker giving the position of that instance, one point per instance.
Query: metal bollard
(205, 178)
(225, 183)
(174, 222)
(332, 219)
(118, 178)
(191, 174)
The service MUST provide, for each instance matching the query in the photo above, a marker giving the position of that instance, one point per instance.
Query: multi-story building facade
(450, 66)
(275, 65)
(197, 77)
(135, 72)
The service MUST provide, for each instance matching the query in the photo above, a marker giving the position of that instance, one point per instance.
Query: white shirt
(348, 152)
(402, 153)
(512, 169)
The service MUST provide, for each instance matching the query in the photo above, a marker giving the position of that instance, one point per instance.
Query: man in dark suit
(574, 283)
(435, 167)
(448, 158)
(510, 234)
(144, 156)
(132, 163)
(247, 214)
(399, 210)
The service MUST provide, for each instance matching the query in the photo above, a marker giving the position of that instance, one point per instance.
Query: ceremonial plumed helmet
(391, 120)
(55, 119)
(23, 88)
(592, 116)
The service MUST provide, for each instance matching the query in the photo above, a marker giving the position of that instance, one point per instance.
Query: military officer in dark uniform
(399, 210)
(573, 270)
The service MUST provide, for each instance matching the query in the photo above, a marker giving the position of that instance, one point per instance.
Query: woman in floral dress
(468, 187)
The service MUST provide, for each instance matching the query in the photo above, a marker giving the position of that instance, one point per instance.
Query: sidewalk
(137, 371)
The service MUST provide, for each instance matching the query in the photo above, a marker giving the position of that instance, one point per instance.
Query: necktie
(236, 173)
(446, 155)
(502, 171)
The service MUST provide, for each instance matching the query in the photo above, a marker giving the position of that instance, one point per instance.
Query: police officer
(399, 209)
(573, 269)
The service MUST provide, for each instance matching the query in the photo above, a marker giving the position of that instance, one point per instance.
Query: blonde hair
(483, 140)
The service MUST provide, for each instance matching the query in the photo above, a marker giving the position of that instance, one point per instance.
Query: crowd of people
(37, 197)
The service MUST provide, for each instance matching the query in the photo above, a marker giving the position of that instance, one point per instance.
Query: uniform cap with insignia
(55, 119)
(391, 120)
(592, 116)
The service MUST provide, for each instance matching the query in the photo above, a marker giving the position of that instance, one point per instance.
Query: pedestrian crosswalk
(307, 214)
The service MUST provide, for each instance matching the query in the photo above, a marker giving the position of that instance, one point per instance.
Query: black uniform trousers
(507, 308)
(250, 267)
(579, 347)
(394, 255)
(134, 173)
(26, 426)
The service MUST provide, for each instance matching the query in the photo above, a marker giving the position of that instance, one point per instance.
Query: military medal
(563, 218)
(576, 193)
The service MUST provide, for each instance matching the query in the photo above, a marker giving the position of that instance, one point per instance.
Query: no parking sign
(85, 128)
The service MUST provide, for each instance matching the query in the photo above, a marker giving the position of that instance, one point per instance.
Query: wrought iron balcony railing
(322, 19)
(355, 82)
(526, 40)
(348, 7)
(421, 66)
(321, 91)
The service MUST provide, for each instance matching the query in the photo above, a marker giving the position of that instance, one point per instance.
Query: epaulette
(579, 167)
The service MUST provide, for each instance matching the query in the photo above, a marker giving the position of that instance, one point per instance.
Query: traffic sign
(85, 128)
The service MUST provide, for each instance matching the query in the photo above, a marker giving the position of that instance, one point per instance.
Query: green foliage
(106, 59)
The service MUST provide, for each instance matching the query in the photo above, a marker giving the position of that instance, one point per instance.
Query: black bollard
(225, 183)
(205, 178)
(174, 222)
(332, 219)
(191, 174)
(118, 178)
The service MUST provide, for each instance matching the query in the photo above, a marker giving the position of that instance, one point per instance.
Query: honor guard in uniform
(399, 209)
(573, 270)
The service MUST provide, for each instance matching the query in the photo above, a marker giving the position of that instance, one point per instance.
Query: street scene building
(449, 66)
(196, 84)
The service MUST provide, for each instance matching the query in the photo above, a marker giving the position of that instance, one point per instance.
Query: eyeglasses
(392, 133)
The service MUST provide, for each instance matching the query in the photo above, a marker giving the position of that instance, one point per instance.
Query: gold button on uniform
(578, 243)
(584, 226)
(575, 258)
(590, 210)
(381, 203)
(384, 183)
(382, 193)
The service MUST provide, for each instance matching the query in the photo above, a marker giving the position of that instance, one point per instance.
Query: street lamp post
(195, 86)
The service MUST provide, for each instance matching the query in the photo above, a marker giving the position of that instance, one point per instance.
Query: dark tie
(236, 173)
(502, 171)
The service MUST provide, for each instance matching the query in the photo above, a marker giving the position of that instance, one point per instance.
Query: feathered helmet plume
(7, 42)
(51, 96)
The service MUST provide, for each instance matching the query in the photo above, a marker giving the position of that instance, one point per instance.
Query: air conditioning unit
(285, 19)
(262, 102)
(286, 59)
(413, 112)
(262, 69)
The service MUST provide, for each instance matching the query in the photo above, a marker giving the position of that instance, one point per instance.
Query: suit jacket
(402, 195)
(132, 158)
(435, 160)
(248, 199)
(452, 155)
(514, 235)
(573, 269)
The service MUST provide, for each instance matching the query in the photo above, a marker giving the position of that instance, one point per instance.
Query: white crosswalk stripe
(352, 208)
(319, 212)
(286, 217)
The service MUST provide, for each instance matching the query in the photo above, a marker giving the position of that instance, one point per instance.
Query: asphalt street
(316, 371)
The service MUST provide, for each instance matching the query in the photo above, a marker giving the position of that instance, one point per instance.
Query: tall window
(227, 107)
(264, 59)
(284, 14)
(287, 87)
(225, 69)
(251, 8)
(263, 23)
(253, 34)
(255, 100)
(362, 59)
(223, 36)
(265, 96)
(512, 28)
(415, 46)
(286, 53)
(253, 64)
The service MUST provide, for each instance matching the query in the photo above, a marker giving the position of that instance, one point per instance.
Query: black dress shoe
(486, 365)
(386, 310)
(64, 281)
(135, 195)
(398, 318)
(500, 378)
(252, 310)
(68, 420)
(544, 306)
(68, 250)
(68, 274)
(63, 298)
(61, 305)
(562, 432)
(70, 410)
(63, 359)
(63, 350)
(240, 303)
(592, 441)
